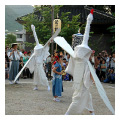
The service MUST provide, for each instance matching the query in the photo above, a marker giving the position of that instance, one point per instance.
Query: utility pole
(52, 31)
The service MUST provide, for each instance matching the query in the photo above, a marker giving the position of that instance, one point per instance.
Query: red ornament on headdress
(92, 11)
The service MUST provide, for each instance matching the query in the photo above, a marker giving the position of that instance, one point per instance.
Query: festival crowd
(103, 63)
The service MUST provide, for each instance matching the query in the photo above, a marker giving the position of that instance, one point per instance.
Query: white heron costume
(80, 68)
(35, 62)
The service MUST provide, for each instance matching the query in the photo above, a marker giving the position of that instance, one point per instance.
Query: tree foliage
(112, 30)
(44, 22)
(10, 38)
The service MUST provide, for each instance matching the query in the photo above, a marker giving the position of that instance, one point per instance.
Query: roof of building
(21, 32)
(100, 17)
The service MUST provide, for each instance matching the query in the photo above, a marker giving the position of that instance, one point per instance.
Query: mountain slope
(14, 11)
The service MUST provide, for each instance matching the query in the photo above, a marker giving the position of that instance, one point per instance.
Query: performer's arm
(54, 70)
(61, 63)
(46, 51)
(96, 63)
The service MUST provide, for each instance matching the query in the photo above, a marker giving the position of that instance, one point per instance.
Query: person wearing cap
(14, 56)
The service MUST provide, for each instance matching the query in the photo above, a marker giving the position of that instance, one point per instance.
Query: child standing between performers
(57, 79)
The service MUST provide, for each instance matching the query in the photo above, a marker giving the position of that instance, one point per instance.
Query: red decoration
(93, 51)
(92, 11)
(25, 52)
(54, 63)
(57, 58)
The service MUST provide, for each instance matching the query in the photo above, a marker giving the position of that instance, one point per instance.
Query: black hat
(13, 44)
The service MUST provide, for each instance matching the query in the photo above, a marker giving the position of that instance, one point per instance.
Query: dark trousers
(98, 73)
(25, 73)
(14, 69)
(102, 75)
(29, 75)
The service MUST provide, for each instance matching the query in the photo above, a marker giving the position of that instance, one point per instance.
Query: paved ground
(20, 99)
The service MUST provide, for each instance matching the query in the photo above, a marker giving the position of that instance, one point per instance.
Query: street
(20, 99)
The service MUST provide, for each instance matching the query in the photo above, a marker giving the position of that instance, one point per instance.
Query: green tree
(112, 41)
(69, 27)
(10, 38)
(43, 23)
(112, 30)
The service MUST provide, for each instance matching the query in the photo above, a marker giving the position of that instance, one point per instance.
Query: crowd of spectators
(103, 63)
(23, 59)
(49, 65)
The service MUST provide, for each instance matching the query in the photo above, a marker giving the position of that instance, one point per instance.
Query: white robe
(36, 65)
(80, 71)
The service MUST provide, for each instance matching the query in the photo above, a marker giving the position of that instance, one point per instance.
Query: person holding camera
(110, 77)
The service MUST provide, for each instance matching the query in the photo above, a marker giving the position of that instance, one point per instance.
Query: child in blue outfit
(57, 79)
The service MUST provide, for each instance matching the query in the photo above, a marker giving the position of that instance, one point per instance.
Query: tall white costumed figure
(35, 63)
(83, 74)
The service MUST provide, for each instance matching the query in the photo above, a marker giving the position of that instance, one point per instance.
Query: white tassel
(34, 33)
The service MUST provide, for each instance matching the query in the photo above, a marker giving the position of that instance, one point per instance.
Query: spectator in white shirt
(14, 56)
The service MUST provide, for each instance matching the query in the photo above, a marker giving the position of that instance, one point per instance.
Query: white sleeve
(46, 53)
(107, 60)
(31, 65)
(19, 55)
(70, 67)
(10, 57)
